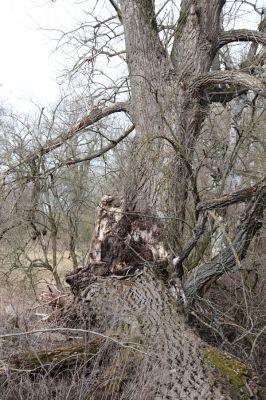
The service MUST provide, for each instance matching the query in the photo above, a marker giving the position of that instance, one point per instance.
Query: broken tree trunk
(123, 240)
(123, 290)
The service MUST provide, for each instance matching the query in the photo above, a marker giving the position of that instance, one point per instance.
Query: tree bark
(163, 104)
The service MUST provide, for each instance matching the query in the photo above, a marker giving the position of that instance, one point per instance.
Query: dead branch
(98, 153)
(51, 360)
(75, 330)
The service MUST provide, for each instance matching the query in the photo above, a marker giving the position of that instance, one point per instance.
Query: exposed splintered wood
(123, 241)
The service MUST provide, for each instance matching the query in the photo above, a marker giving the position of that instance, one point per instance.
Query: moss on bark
(234, 375)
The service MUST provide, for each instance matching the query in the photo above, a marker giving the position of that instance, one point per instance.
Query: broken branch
(232, 198)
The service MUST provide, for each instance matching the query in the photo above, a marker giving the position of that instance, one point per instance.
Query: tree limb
(241, 81)
(197, 232)
(75, 330)
(224, 201)
(232, 198)
(100, 152)
(241, 35)
(225, 261)
(94, 116)
(117, 9)
(58, 359)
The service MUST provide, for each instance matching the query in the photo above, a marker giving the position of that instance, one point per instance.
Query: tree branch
(197, 232)
(241, 35)
(94, 116)
(241, 81)
(232, 198)
(225, 261)
(100, 152)
(75, 330)
(224, 201)
(117, 9)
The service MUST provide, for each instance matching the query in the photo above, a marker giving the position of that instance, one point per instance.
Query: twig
(255, 341)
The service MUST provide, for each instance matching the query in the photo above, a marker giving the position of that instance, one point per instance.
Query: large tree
(171, 95)
(174, 80)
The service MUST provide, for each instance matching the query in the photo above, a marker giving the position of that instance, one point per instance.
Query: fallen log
(53, 360)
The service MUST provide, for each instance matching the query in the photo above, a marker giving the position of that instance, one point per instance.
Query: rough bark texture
(163, 105)
(170, 96)
(137, 306)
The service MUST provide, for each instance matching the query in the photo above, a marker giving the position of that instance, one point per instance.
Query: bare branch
(100, 152)
(117, 9)
(75, 330)
(94, 116)
(259, 10)
(197, 232)
(241, 35)
(239, 79)
(225, 261)
(224, 201)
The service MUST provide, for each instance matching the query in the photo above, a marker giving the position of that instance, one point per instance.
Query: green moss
(234, 376)
(235, 371)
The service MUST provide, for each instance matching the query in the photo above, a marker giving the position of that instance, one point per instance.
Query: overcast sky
(28, 69)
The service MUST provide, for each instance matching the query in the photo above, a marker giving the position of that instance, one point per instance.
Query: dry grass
(23, 307)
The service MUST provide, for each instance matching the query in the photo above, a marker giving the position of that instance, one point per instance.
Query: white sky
(28, 69)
